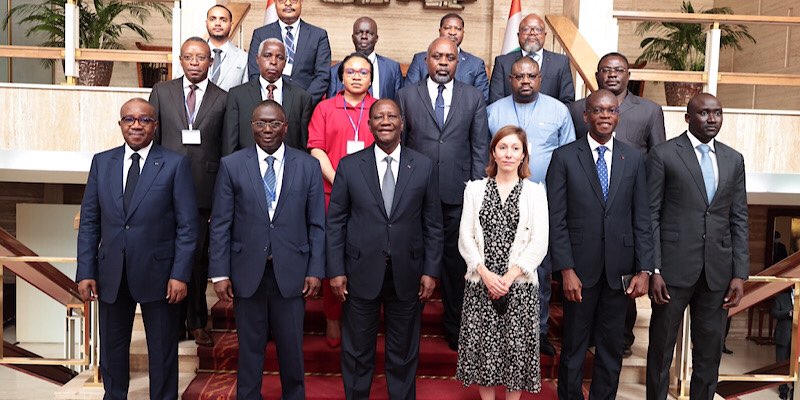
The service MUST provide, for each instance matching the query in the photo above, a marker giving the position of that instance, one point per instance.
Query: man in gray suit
(445, 120)
(698, 203)
(190, 111)
(229, 64)
(270, 85)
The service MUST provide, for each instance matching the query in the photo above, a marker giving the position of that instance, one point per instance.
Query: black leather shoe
(726, 350)
(626, 352)
(545, 347)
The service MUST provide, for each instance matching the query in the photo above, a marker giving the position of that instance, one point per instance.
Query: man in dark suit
(782, 310)
(384, 249)
(190, 111)
(386, 75)
(136, 239)
(641, 125)
(556, 74)
(270, 85)
(446, 120)
(599, 232)
(470, 69)
(699, 206)
(308, 51)
(268, 248)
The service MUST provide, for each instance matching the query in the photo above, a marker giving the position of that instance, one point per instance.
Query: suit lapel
(586, 159)
(689, 158)
(209, 97)
(300, 48)
(115, 175)
(257, 180)
(404, 171)
(724, 169)
(288, 91)
(152, 166)
(179, 102)
(455, 103)
(629, 102)
(255, 92)
(422, 89)
(289, 171)
(369, 168)
(544, 62)
(384, 78)
(617, 171)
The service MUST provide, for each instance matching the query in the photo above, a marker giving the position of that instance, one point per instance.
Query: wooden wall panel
(758, 237)
(12, 193)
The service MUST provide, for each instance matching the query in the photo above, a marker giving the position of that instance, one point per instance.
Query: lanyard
(355, 126)
(530, 113)
(191, 116)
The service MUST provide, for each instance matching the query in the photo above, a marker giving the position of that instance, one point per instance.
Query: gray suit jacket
(641, 122)
(556, 76)
(233, 71)
(690, 234)
(168, 100)
(459, 150)
(243, 99)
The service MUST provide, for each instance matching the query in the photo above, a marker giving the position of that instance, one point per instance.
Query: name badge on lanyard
(355, 144)
(191, 135)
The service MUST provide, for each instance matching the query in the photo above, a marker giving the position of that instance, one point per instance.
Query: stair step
(187, 353)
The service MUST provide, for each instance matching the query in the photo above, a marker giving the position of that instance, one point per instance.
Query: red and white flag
(510, 42)
(270, 13)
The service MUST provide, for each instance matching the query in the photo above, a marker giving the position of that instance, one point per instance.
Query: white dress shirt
(126, 162)
(198, 96)
(287, 70)
(376, 75)
(225, 48)
(539, 56)
(380, 156)
(447, 95)
(278, 166)
(277, 94)
(593, 144)
(713, 154)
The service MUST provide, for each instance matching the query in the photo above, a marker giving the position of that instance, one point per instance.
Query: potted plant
(682, 47)
(101, 23)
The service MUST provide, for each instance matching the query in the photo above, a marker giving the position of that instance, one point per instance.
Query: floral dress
(493, 349)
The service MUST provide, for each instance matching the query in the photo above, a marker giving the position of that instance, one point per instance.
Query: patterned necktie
(191, 102)
(535, 57)
(271, 91)
(288, 41)
(602, 170)
(440, 108)
(269, 181)
(130, 183)
(216, 65)
(708, 171)
(388, 186)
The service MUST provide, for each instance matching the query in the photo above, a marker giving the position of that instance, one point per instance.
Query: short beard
(532, 47)
(441, 79)
(221, 38)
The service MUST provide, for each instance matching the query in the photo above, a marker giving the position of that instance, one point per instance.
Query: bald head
(151, 111)
(531, 33)
(704, 116)
(365, 35)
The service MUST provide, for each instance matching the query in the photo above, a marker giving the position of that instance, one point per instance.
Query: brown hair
(523, 171)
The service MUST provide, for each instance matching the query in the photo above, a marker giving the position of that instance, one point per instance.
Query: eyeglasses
(520, 77)
(261, 124)
(143, 121)
(199, 58)
(528, 29)
(618, 70)
(598, 110)
(364, 72)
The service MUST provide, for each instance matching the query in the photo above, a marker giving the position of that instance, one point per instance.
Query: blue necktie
(708, 171)
(269, 181)
(602, 170)
(288, 40)
(440, 108)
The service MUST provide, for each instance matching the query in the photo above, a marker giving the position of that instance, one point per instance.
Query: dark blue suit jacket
(470, 70)
(243, 236)
(391, 78)
(592, 235)
(360, 234)
(155, 241)
(312, 57)
(556, 76)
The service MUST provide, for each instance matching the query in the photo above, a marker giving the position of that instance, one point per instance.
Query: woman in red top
(338, 127)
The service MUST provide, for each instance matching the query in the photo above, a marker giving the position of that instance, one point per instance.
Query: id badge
(287, 70)
(354, 146)
(190, 136)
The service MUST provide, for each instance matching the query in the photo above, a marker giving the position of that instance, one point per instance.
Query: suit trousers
(598, 315)
(544, 273)
(782, 353)
(267, 311)
(708, 329)
(194, 309)
(452, 274)
(161, 326)
(630, 322)
(359, 336)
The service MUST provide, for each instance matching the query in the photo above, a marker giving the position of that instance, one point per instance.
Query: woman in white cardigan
(503, 238)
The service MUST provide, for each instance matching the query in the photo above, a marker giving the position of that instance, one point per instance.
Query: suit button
(390, 225)
(127, 227)
(272, 226)
(441, 141)
(708, 213)
(704, 236)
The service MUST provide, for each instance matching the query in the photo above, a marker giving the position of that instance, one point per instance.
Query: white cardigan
(530, 242)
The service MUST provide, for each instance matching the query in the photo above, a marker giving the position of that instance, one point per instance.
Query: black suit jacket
(459, 150)
(781, 311)
(690, 234)
(592, 235)
(312, 57)
(556, 76)
(361, 235)
(641, 122)
(243, 99)
(170, 104)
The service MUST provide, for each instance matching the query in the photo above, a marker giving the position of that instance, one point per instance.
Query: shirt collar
(380, 154)
(225, 47)
(200, 85)
(278, 154)
(540, 53)
(294, 26)
(143, 152)
(696, 142)
(278, 83)
(435, 86)
(341, 103)
(373, 57)
(593, 144)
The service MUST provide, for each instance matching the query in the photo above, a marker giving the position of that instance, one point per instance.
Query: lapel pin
(408, 166)
(155, 163)
(621, 157)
